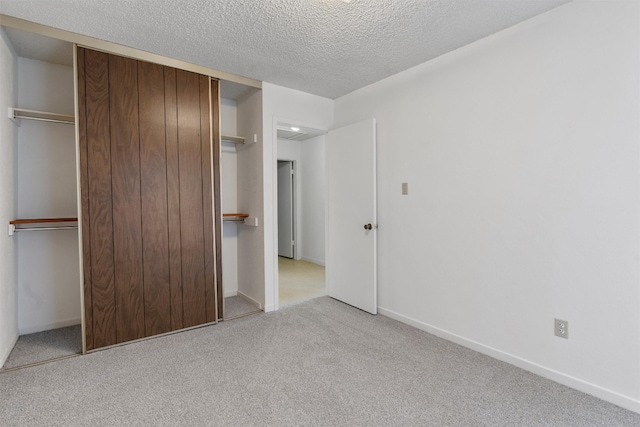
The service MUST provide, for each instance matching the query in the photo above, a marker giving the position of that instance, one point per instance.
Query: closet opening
(300, 213)
(45, 227)
(239, 135)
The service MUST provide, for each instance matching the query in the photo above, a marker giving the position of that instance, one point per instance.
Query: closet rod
(66, 227)
(13, 229)
(234, 217)
(21, 113)
(233, 139)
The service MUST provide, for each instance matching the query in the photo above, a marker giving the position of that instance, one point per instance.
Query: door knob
(368, 226)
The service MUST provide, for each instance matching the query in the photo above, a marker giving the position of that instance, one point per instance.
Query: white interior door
(351, 264)
(285, 209)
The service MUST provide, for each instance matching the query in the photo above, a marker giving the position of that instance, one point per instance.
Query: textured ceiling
(324, 47)
(34, 46)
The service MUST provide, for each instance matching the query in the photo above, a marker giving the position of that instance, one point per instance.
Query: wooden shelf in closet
(41, 220)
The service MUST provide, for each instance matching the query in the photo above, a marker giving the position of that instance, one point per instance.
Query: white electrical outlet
(561, 328)
(405, 188)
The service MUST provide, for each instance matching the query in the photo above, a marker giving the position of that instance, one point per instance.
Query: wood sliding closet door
(147, 168)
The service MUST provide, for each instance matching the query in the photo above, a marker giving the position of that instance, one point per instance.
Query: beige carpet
(318, 363)
(237, 307)
(45, 345)
(299, 281)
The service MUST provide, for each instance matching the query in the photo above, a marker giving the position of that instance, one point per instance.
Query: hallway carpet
(299, 281)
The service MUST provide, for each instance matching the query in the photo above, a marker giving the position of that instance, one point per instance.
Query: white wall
(229, 197)
(521, 154)
(288, 150)
(8, 141)
(48, 273)
(312, 184)
(251, 199)
(288, 106)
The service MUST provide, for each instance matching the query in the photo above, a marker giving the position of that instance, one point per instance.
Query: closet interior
(237, 140)
(45, 229)
(56, 309)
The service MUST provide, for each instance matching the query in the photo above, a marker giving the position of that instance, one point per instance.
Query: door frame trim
(76, 110)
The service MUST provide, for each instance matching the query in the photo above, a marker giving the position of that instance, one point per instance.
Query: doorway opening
(300, 213)
(286, 209)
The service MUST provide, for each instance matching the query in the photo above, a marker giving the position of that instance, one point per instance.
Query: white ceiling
(324, 47)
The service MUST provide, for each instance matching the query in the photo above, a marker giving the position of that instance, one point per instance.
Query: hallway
(300, 281)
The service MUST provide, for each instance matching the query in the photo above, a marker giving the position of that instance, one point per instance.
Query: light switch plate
(405, 188)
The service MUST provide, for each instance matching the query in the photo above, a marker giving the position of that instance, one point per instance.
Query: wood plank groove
(153, 185)
(207, 200)
(125, 167)
(99, 203)
(191, 215)
(173, 197)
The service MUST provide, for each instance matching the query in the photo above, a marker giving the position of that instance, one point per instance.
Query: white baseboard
(48, 326)
(7, 351)
(228, 294)
(269, 308)
(313, 260)
(575, 383)
(250, 300)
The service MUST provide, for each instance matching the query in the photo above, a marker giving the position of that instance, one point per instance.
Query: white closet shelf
(21, 113)
(233, 139)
